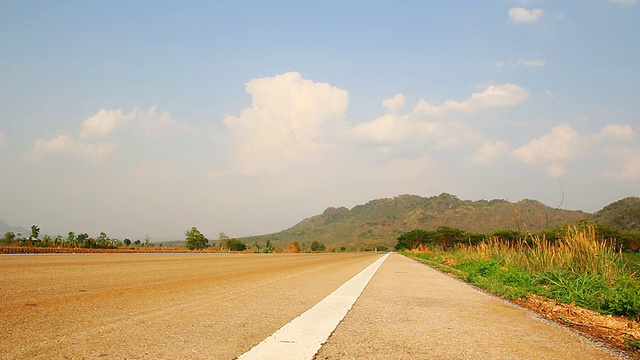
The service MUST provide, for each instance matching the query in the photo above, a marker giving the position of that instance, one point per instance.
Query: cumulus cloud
(289, 122)
(490, 151)
(105, 122)
(395, 104)
(431, 127)
(522, 15)
(563, 144)
(493, 97)
(159, 125)
(559, 144)
(64, 144)
(624, 163)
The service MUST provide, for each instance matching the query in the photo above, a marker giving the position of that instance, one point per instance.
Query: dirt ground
(158, 306)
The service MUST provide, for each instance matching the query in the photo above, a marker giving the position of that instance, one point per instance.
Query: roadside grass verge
(578, 269)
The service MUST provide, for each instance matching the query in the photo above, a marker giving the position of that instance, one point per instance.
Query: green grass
(579, 269)
(634, 260)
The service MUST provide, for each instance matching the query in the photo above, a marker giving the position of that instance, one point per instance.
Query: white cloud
(490, 151)
(64, 144)
(521, 15)
(429, 126)
(624, 2)
(624, 163)
(564, 144)
(535, 62)
(493, 97)
(556, 170)
(105, 122)
(159, 125)
(395, 104)
(614, 133)
(291, 120)
(560, 144)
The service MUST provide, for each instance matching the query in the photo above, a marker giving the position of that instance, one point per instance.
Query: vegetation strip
(304, 335)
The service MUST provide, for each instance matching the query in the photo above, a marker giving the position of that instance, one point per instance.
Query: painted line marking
(303, 336)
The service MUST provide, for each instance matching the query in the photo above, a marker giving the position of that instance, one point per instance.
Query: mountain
(380, 222)
(4, 228)
(623, 214)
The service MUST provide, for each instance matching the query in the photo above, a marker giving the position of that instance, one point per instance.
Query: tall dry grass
(579, 251)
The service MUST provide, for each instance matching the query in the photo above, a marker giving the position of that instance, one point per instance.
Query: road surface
(220, 306)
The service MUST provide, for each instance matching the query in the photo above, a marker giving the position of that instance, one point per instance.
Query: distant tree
(47, 240)
(448, 236)
(137, 242)
(57, 241)
(268, 247)
(236, 245)
(71, 239)
(195, 239)
(127, 242)
(9, 236)
(317, 246)
(35, 231)
(413, 239)
(82, 239)
(147, 240)
(507, 235)
(223, 238)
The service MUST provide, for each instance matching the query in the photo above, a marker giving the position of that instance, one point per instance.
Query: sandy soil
(158, 306)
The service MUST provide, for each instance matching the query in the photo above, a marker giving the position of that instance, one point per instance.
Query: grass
(634, 261)
(577, 269)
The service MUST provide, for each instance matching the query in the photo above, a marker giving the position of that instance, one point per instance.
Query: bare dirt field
(158, 306)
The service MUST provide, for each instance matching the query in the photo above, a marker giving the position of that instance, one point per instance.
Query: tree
(35, 231)
(268, 247)
(9, 236)
(317, 246)
(195, 239)
(137, 242)
(448, 236)
(413, 239)
(127, 242)
(236, 245)
(71, 239)
(223, 238)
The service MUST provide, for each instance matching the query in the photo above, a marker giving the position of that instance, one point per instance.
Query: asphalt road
(208, 306)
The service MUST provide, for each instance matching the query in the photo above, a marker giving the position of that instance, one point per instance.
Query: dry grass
(579, 251)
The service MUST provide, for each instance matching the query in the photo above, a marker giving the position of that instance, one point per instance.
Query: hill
(623, 214)
(380, 222)
(4, 228)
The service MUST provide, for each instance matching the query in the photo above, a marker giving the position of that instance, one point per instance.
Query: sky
(146, 118)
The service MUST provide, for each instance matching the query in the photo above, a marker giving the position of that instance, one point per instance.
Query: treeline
(72, 240)
(447, 237)
(195, 240)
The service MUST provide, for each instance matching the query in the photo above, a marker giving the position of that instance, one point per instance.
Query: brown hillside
(380, 222)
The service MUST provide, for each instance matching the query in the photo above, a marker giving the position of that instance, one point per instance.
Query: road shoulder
(411, 311)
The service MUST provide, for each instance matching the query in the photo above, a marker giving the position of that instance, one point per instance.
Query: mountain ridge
(379, 222)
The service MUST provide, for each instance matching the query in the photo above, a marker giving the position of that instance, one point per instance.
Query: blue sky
(149, 117)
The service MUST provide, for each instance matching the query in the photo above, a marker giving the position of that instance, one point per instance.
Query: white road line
(304, 335)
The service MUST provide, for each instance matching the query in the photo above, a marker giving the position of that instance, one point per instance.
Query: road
(219, 306)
